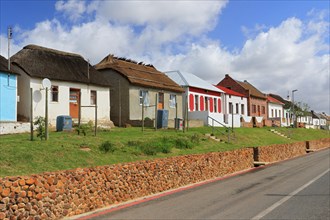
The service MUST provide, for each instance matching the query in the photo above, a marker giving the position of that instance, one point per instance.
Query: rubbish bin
(63, 123)
(162, 118)
(178, 123)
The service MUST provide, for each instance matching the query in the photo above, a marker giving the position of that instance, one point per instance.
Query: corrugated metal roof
(191, 80)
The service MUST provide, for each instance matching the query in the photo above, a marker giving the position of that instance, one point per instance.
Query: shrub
(107, 147)
(195, 138)
(41, 127)
(83, 128)
(148, 149)
(183, 143)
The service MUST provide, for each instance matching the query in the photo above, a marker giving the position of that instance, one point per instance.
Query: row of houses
(122, 91)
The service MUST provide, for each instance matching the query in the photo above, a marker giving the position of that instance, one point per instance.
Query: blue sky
(276, 45)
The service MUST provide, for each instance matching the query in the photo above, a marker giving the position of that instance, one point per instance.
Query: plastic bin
(162, 118)
(63, 123)
(178, 123)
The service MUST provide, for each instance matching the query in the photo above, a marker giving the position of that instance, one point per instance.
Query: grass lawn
(65, 150)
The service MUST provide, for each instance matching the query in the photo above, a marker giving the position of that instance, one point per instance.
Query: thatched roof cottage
(74, 83)
(133, 82)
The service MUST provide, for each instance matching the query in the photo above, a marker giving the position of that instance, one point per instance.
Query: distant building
(257, 101)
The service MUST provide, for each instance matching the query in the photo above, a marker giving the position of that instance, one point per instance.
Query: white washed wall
(275, 107)
(62, 106)
(236, 100)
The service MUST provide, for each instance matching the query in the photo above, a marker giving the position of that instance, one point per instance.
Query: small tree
(40, 122)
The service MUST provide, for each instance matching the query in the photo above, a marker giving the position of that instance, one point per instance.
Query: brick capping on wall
(54, 195)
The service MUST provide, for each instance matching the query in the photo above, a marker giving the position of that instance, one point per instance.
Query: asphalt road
(293, 189)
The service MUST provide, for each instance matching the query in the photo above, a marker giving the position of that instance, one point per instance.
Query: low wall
(66, 193)
(279, 152)
(318, 144)
(14, 127)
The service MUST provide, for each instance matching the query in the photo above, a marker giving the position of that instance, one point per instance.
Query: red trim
(201, 101)
(230, 92)
(191, 102)
(204, 91)
(211, 105)
(219, 105)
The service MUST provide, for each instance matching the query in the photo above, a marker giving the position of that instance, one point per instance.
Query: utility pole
(293, 111)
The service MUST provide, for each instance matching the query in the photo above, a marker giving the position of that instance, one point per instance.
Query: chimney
(227, 75)
(245, 80)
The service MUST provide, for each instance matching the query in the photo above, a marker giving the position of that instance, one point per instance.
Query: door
(160, 100)
(74, 102)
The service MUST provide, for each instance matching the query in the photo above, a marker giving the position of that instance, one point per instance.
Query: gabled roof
(273, 100)
(4, 67)
(230, 92)
(41, 62)
(287, 104)
(188, 79)
(139, 73)
(252, 90)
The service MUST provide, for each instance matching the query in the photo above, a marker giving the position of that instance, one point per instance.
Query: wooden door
(74, 103)
(161, 100)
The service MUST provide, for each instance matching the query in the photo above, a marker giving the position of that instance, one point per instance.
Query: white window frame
(172, 101)
(144, 95)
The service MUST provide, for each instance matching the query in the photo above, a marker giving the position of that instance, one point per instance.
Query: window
(230, 108)
(54, 94)
(93, 97)
(254, 109)
(237, 109)
(215, 105)
(272, 113)
(196, 103)
(144, 97)
(206, 103)
(242, 109)
(172, 101)
(259, 110)
(263, 110)
(275, 113)
(280, 114)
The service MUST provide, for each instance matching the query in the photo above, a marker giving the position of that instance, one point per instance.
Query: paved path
(293, 189)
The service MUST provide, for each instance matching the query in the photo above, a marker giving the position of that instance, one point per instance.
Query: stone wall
(318, 144)
(279, 152)
(55, 195)
(66, 193)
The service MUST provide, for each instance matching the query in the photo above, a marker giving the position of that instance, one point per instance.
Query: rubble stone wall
(65, 193)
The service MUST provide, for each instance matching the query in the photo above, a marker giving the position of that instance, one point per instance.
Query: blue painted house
(8, 91)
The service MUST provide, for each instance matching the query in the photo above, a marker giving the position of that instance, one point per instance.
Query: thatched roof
(138, 73)
(252, 90)
(4, 66)
(43, 62)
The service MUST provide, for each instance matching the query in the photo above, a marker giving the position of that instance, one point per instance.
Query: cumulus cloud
(173, 35)
(73, 9)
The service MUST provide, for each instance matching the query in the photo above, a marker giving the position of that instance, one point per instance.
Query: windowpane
(93, 97)
(144, 95)
(172, 101)
(54, 93)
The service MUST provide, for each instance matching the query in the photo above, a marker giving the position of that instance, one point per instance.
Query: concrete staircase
(279, 133)
(214, 138)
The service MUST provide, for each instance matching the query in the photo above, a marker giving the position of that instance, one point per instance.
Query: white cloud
(173, 35)
(74, 9)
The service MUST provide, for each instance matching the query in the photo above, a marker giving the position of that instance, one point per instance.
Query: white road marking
(280, 202)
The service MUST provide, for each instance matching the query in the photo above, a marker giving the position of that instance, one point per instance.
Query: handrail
(214, 120)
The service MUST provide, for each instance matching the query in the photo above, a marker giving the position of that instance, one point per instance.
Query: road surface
(295, 189)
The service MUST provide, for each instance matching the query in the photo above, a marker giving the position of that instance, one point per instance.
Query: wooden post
(31, 115)
(79, 112)
(176, 116)
(95, 128)
(232, 118)
(46, 115)
(156, 113)
(143, 115)
(119, 102)
(187, 116)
